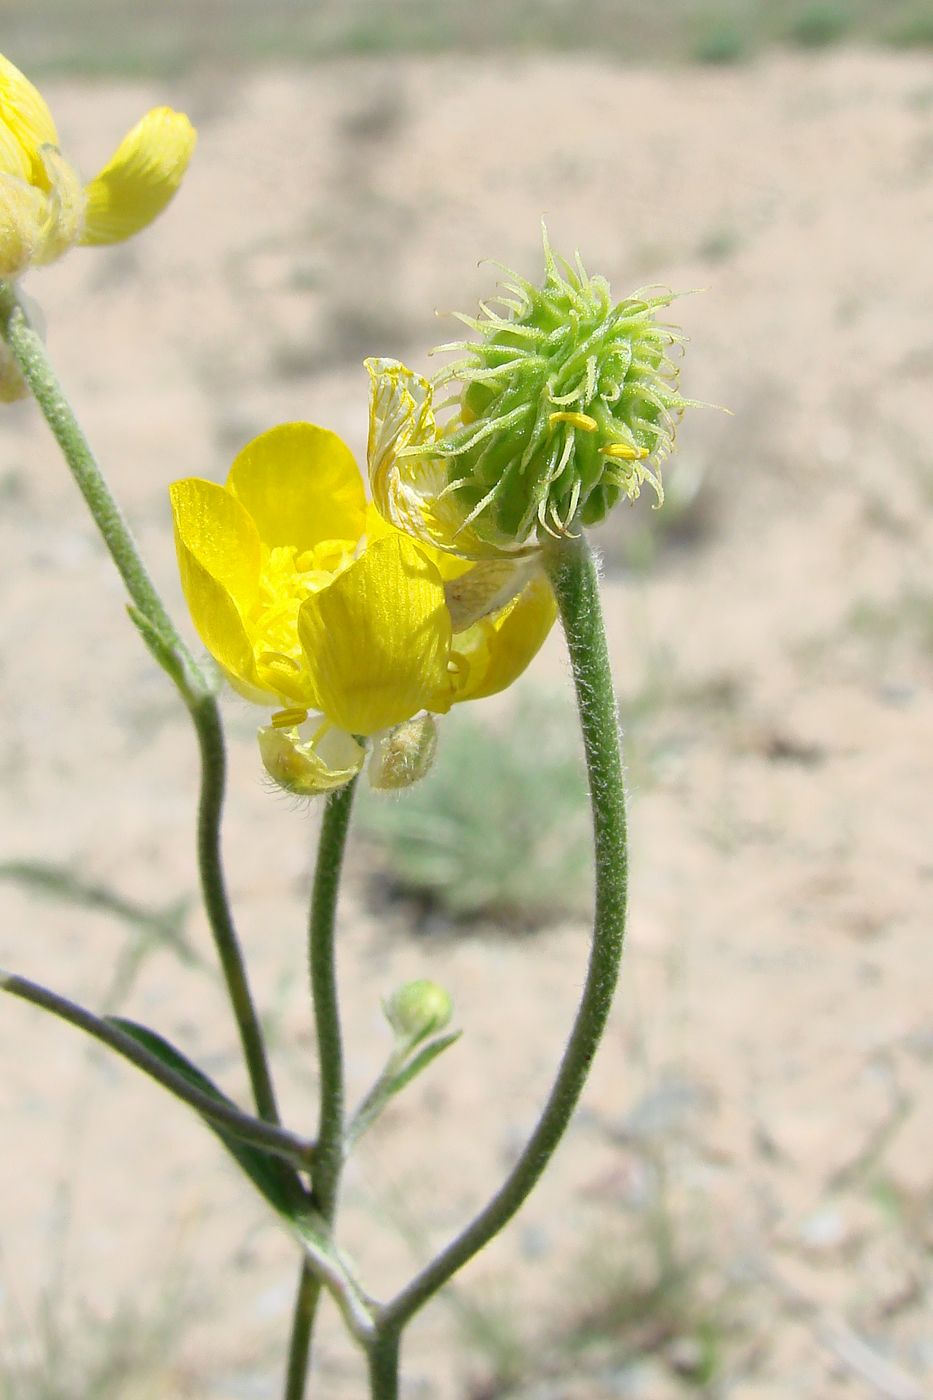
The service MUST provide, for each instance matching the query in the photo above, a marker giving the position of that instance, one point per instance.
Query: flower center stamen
(583, 421)
(290, 718)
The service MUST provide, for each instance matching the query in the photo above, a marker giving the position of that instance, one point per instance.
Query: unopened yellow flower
(313, 605)
(45, 209)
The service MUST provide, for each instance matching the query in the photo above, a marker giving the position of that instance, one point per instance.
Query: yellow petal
(220, 534)
(377, 639)
(219, 560)
(13, 159)
(23, 112)
(301, 486)
(496, 650)
(312, 766)
(22, 211)
(449, 566)
(141, 177)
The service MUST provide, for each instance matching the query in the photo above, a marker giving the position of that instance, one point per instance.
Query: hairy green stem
(31, 356)
(207, 723)
(225, 1116)
(299, 1346)
(573, 574)
(383, 1358)
(323, 972)
(330, 1145)
(159, 632)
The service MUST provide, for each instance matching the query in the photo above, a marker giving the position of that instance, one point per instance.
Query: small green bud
(568, 401)
(417, 1010)
(403, 755)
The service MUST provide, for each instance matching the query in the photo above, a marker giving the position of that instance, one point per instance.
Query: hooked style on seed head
(567, 401)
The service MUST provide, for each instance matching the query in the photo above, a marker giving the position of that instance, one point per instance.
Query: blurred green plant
(720, 41)
(75, 1354)
(101, 37)
(821, 24)
(719, 244)
(499, 828)
(913, 29)
(886, 624)
(652, 1291)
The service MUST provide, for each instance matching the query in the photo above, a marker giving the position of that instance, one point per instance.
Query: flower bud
(568, 401)
(417, 1010)
(403, 755)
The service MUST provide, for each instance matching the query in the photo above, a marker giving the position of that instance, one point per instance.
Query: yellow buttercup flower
(312, 604)
(45, 209)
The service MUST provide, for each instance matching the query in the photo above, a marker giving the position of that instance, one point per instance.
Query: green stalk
(329, 1150)
(383, 1358)
(164, 642)
(573, 574)
(209, 728)
(31, 356)
(323, 972)
(299, 1346)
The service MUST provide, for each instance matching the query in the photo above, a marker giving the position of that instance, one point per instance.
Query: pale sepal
(306, 762)
(21, 213)
(63, 210)
(403, 755)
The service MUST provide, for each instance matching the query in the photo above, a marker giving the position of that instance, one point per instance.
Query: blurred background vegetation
(115, 37)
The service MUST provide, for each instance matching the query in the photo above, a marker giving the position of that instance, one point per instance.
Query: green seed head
(568, 401)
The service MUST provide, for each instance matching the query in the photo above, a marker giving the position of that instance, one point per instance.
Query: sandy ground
(756, 1132)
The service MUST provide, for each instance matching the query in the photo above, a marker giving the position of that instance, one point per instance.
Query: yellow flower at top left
(44, 207)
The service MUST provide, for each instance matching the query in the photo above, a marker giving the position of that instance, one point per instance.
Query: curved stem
(163, 640)
(299, 1347)
(225, 1116)
(323, 971)
(573, 574)
(329, 1151)
(30, 354)
(207, 723)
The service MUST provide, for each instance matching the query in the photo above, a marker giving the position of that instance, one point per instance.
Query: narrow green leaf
(273, 1178)
(420, 1062)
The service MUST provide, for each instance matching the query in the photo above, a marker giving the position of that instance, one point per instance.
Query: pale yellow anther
(583, 421)
(290, 718)
(626, 453)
